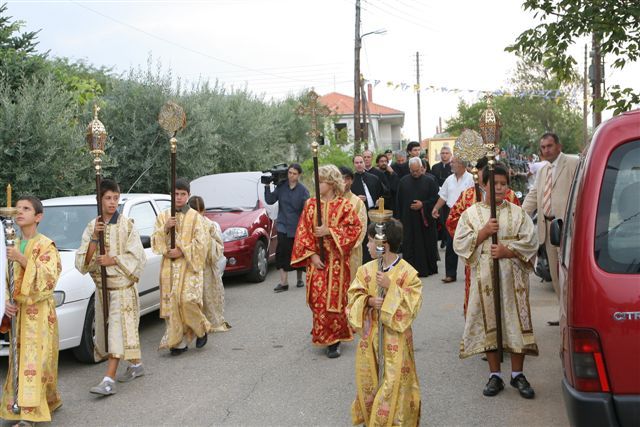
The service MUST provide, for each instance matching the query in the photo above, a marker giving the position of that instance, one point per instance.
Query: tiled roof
(343, 105)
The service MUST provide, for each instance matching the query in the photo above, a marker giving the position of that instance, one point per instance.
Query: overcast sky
(276, 47)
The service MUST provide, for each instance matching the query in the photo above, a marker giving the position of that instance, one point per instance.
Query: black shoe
(300, 284)
(333, 351)
(553, 323)
(201, 342)
(494, 386)
(178, 351)
(523, 386)
(281, 288)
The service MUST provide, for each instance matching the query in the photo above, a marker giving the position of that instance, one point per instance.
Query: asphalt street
(265, 372)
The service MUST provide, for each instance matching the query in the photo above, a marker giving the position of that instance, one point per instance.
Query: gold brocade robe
(355, 260)
(213, 292)
(37, 334)
(181, 279)
(327, 288)
(122, 242)
(516, 232)
(397, 402)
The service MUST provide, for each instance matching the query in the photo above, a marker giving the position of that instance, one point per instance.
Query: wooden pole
(103, 269)
(497, 299)
(174, 149)
(316, 176)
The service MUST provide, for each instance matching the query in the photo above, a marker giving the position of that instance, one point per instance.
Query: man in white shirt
(449, 193)
(534, 166)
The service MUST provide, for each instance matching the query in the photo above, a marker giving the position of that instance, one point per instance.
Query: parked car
(599, 275)
(236, 202)
(64, 221)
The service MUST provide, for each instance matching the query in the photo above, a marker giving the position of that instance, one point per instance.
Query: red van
(599, 242)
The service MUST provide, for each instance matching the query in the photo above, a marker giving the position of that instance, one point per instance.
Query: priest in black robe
(369, 188)
(417, 194)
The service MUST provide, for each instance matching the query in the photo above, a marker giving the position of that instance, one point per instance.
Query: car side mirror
(555, 231)
(146, 241)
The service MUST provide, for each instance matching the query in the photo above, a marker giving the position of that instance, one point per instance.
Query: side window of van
(571, 213)
(617, 240)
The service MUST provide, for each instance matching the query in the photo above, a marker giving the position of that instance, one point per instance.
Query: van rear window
(617, 243)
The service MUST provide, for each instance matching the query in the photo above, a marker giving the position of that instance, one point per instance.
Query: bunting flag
(547, 94)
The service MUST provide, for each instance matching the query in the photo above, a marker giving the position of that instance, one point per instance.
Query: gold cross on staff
(314, 109)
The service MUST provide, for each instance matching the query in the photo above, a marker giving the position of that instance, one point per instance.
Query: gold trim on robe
(516, 232)
(397, 402)
(38, 338)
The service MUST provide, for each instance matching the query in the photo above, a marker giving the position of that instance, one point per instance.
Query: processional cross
(313, 109)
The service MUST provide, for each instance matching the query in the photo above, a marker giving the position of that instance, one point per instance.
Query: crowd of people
(332, 239)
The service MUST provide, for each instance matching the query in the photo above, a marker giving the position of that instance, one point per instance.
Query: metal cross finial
(314, 109)
(95, 111)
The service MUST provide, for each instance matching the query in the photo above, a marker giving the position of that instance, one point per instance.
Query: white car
(64, 221)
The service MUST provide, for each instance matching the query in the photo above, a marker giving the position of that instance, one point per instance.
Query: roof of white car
(91, 199)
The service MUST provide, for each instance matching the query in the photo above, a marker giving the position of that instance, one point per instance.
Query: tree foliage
(616, 22)
(42, 149)
(19, 60)
(525, 119)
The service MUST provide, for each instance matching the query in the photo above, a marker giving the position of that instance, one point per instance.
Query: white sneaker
(131, 373)
(105, 388)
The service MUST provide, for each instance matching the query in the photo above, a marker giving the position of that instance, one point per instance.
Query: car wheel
(84, 352)
(260, 263)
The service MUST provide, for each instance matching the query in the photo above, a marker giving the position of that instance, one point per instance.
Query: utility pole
(357, 135)
(596, 80)
(418, 96)
(585, 101)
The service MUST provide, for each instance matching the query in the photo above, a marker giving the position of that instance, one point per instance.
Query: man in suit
(550, 195)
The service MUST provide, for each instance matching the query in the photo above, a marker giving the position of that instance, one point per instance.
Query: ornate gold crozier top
(490, 126)
(96, 134)
(313, 109)
(469, 146)
(172, 118)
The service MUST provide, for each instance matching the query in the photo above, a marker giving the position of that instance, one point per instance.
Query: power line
(186, 48)
(393, 13)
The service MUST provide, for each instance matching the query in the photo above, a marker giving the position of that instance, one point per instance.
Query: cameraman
(291, 195)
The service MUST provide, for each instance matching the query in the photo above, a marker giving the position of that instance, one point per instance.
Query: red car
(600, 279)
(236, 202)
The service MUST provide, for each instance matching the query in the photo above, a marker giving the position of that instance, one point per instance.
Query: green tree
(42, 143)
(19, 60)
(616, 22)
(525, 119)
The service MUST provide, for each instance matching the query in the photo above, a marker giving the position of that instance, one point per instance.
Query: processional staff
(9, 214)
(96, 137)
(380, 216)
(490, 130)
(314, 109)
(172, 118)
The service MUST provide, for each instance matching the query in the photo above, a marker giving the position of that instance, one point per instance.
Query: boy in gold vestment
(36, 267)
(397, 400)
(124, 261)
(181, 273)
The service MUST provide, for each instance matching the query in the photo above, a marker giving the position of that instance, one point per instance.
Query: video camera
(277, 174)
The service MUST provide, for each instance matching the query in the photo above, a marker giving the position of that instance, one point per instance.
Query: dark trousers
(450, 257)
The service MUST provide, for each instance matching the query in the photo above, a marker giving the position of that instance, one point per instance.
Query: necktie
(546, 200)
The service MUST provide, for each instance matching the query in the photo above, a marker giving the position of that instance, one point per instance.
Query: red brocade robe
(327, 288)
(465, 201)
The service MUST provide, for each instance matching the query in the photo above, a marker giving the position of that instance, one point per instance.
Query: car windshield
(65, 224)
(228, 192)
(617, 243)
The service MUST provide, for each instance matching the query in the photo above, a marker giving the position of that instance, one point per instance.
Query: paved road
(265, 372)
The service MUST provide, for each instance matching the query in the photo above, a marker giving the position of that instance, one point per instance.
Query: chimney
(369, 93)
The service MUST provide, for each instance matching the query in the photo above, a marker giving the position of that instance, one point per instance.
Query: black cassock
(420, 240)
